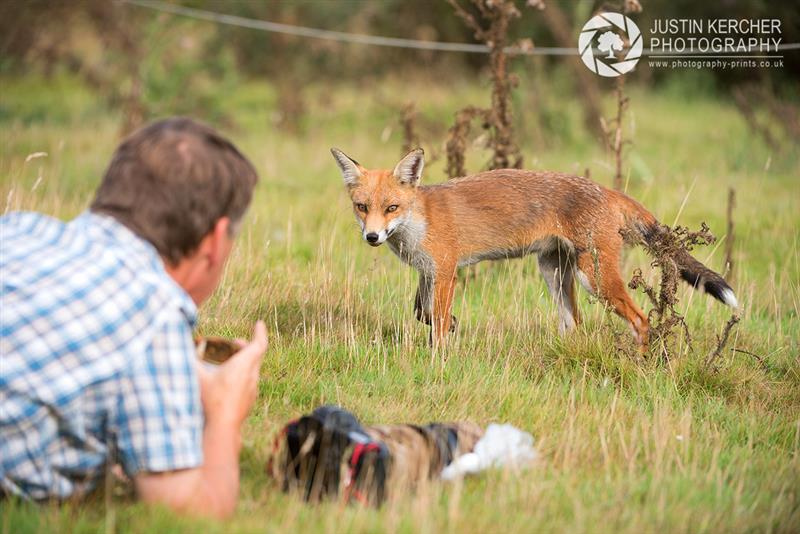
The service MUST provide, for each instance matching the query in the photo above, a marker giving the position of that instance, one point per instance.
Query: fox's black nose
(372, 237)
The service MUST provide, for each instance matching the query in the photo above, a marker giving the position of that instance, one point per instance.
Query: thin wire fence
(357, 38)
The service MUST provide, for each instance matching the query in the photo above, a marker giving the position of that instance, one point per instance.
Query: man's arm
(227, 393)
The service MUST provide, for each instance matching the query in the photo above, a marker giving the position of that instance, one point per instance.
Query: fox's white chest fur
(406, 242)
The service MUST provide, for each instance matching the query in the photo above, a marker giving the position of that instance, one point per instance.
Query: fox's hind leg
(612, 289)
(557, 268)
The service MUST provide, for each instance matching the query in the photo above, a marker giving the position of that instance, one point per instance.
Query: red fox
(572, 224)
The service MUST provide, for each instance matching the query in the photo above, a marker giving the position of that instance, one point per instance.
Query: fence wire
(358, 38)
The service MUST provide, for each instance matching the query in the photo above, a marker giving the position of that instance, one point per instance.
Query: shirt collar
(140, 254)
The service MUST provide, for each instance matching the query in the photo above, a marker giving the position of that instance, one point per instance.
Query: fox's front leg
(423, 302)
(443, 287)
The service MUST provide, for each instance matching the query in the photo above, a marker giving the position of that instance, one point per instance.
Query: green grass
(626, 445)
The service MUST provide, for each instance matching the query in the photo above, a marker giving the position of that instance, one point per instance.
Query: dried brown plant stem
(722, 340)
(754, 100)
(743, 102)
(622, 104)
(291, 106)
(458, 137)
(615, 141)
(730, 236)
(612, 131)
(760, 359)
(408, 122)
(497, 15)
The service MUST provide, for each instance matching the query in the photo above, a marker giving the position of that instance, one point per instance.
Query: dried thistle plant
(458, 138)
(492, 29)
(664, 246)
(408, 122)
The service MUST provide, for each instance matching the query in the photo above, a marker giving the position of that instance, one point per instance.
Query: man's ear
(219, 236)
(409, 170)
(351, 170)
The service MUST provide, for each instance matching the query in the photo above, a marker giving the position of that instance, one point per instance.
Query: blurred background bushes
(146, 63)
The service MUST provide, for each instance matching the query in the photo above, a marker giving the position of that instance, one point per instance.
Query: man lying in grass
(97, 360)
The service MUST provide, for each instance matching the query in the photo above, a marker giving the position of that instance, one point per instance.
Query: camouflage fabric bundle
(328, 454)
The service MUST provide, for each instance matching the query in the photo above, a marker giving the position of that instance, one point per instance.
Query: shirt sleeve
(160, 417)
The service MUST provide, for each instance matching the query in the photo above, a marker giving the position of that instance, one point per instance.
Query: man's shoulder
(28, 224)
(29, 242)
(26, 219)
(91, 259)
(83, 301)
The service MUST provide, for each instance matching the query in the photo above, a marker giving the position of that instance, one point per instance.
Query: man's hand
(229, 390)
(227, 394)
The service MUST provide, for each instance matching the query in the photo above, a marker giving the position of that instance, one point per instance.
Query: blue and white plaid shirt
(97, 362)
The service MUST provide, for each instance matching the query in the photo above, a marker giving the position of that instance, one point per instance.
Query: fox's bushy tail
(690, 269)
(697, 275)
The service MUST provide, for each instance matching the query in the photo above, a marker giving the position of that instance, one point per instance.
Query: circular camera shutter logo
(609, 30)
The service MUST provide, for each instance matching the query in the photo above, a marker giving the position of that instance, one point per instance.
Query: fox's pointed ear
(409, 170)
(350, 168)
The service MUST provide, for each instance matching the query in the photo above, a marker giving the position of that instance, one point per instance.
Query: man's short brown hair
(171, 181)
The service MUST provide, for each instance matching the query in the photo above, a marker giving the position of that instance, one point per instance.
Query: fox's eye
(391, 208)
(362, 208)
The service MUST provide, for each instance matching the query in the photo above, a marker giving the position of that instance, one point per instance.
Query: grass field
(626, 445)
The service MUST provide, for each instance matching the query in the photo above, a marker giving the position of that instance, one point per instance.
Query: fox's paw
(433, 342)
(422, 316)
(426, 319)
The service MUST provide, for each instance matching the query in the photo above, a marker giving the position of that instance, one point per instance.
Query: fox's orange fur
(571, 223)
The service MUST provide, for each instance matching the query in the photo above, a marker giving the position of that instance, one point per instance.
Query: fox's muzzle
(375, 239)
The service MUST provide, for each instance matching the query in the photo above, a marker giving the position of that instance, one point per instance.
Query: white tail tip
(729, 298)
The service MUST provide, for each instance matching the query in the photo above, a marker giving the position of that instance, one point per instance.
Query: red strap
(359, 450)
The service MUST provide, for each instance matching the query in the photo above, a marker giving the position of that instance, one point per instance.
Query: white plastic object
(501, 446)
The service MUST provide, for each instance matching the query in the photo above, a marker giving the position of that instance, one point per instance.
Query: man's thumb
(260, 336)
